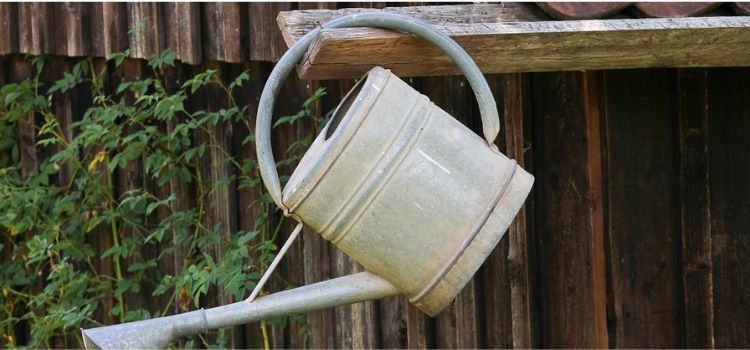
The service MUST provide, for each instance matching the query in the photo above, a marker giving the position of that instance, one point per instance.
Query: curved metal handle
(487, 106)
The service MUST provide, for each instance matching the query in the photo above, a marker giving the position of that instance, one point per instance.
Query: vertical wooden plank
(72, 28)
(25, 44)
(129, 178)
(101, 237)
(265, 44)
(212, 18)
(644, 215)
(343, 314)
(21, 70)
(8, 28)
(65, 110)
(516, 111)
(234, 34)
(507, 293)
(393, 323)
(114, 27)
(183, 191)
(36, 28)
(729, 169)
(420, 329)
(96, 26)
(183, 31)
(568, 210)
(692, 88)
(223, 34)
(145, 29)
(221, 199)
(248, 205)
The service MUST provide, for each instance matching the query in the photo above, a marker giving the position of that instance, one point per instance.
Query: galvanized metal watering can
(392, 180)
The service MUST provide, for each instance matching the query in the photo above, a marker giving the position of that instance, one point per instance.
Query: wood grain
(222, 31)
(516, 110)
(115, 27)
(643, 209)
(265, 44)
(72, 29)
(692, 90)
(568, 210)
(535, 46)
(295, 24)
(183, 22)
(36, 28)
(8, 28)
(145, 29)
(729, 124)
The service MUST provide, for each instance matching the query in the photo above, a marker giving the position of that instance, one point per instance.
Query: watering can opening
(343, 107)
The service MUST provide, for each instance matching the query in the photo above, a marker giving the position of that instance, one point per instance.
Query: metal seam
(368, 178)
(391, 168)
(467, 241)
(314, 184)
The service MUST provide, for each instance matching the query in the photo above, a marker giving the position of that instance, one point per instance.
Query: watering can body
(394, 181)
(406, 190)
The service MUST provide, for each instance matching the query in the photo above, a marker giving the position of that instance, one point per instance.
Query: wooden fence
(637, 232)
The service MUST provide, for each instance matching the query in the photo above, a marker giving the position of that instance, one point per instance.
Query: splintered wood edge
(529, 46)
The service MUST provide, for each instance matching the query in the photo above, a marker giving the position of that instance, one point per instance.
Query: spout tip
(134, 335)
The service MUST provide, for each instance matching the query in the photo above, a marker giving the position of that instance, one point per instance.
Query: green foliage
(53, 216)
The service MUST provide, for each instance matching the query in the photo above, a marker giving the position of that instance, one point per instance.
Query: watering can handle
(487, 106)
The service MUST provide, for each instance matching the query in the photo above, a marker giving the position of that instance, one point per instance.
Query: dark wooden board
(568, 210)
(729, 169)
(643, 209)
(72, 28)
(115, 27)
(183, 22)
(692, 90)
(8, 28)
(266, 43)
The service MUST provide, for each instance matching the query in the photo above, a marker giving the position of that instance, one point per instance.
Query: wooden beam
(502, 46)
(295, 24)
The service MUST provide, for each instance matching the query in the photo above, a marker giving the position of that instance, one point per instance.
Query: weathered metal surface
(406, 190)
(158, 332)
(385, 164)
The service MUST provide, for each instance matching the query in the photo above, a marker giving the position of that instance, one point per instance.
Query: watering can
(392, 180)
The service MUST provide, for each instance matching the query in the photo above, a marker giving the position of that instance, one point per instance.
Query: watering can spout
(158, 332)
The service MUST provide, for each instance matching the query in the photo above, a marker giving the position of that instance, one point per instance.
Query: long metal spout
(158, 332)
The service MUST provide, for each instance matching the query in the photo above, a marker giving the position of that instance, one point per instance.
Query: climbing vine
(73, 243)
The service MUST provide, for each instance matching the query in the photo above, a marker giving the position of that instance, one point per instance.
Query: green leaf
(241, 240)
(118, 57)
(244, 76)
(320, 92)
(11, 97)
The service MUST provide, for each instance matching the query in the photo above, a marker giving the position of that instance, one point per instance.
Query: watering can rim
(312, 167)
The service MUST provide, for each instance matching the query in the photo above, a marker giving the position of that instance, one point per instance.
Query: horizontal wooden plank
(295, 24)
(503, 47)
